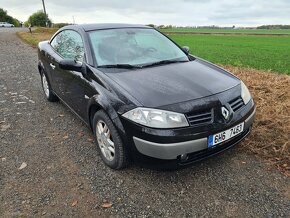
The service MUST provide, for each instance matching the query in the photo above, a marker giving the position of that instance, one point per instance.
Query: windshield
(133, 46)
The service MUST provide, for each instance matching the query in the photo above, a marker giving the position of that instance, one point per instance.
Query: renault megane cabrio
(143, 96)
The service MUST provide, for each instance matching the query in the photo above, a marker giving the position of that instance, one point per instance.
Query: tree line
(4, 17)
(274, 27)
(36, 19)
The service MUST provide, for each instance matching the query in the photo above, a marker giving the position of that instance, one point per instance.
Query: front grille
(199, 118)
(236, 104)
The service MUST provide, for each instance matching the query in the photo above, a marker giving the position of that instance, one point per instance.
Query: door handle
(52, 66)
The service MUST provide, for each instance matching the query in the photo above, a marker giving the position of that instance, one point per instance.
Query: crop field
(239, 31)
(271, 53)
(264, 52)
(260, 52)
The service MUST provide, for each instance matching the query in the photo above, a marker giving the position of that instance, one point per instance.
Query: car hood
(173, 83)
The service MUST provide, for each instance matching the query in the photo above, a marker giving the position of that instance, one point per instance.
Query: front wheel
(50, 96)
(110, 145)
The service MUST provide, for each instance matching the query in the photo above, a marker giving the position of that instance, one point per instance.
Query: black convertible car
(143, 96)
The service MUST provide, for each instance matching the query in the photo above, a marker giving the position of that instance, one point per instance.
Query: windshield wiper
(163, 62)
(124, 66)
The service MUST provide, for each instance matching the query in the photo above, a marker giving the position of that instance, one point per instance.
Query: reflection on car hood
(173, 83)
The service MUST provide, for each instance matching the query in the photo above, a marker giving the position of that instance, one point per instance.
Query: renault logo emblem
(225, 113)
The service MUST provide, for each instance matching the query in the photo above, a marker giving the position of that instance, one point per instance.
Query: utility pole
(46, 21)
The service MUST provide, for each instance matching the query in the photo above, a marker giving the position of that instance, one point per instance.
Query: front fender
(101, 102)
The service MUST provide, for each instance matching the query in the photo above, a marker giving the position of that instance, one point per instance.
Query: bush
(39, 19)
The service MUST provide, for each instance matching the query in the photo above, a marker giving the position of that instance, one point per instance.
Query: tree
(39, 19)
(4, 17)
(274, 27)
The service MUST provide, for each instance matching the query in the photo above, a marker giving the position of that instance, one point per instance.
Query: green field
(260, 52)
(241, 31)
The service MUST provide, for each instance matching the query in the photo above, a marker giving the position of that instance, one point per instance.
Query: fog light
(183, 157)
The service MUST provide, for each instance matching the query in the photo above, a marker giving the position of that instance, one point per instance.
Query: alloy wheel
(105, 140)
(45, 85)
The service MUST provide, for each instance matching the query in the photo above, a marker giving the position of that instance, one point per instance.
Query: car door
(66, 45)
(79, 86)
(74, 88)
(57, 75)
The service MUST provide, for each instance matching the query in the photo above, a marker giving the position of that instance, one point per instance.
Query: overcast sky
(176, 12)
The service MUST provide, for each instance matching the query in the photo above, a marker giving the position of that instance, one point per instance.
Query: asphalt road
(49, 165)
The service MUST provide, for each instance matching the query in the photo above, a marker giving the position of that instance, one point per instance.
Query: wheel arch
(101, 102)
(42, 70)
(40, 67)
(94, 108)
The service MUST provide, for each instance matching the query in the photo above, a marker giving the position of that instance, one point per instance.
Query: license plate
(225, 135)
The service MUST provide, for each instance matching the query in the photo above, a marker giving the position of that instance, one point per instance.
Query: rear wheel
(109, 142)
(50, 96)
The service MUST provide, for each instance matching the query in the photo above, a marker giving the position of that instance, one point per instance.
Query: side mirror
(186, 49)
(70, 65)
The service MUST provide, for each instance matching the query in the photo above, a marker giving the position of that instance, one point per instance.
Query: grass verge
(37, 35)
(270, 137)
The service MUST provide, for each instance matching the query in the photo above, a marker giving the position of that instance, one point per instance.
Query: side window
(56, 42)
(69, 45)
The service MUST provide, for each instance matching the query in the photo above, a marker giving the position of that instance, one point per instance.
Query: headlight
(245, 93)
(156, 118)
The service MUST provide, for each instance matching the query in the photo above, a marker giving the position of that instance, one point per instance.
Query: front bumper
(171, 151)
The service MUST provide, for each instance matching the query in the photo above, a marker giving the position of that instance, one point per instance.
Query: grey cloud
(251, 13)
(176, 12)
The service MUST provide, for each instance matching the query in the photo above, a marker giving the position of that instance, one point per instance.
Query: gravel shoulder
(62, 174)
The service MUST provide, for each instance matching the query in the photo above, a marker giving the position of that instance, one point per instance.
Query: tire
(50, 96)
(117, 159)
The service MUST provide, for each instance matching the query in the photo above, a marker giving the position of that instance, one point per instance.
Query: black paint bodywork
(181, 87)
